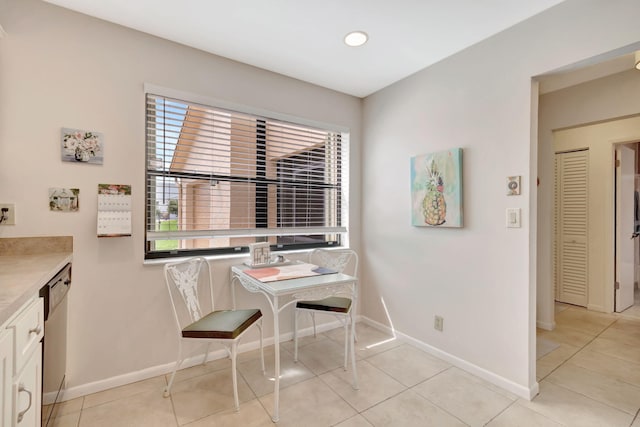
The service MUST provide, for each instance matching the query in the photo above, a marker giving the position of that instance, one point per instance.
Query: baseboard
(154, 371)
(517, 389)
(547, 326)
(599, 308)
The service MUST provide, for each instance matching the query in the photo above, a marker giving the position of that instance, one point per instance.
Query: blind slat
(219, 174)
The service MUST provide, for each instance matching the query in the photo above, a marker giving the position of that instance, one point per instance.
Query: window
(218, 180)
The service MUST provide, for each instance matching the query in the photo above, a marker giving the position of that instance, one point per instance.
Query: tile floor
(591, 379)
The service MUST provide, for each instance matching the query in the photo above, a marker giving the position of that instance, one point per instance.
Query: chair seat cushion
(335, 304)
(222, 324)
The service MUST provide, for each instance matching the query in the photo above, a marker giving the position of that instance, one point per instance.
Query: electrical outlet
(7, 214)
(438, 323)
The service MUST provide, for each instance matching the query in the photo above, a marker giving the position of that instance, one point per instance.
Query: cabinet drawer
(28, 331)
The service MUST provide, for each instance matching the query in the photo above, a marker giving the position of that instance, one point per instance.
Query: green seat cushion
(335, 304)
(225, 324)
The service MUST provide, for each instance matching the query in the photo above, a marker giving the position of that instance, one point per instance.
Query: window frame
(339, 238)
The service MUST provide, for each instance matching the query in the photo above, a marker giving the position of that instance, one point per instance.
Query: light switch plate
(513, 217)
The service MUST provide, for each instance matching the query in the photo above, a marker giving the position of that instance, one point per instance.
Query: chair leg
(313, 318)
(346, 342)
(261, 347)
(352, 346)
(179, 360)
(206, 354)
(234, 375)
(295, 334)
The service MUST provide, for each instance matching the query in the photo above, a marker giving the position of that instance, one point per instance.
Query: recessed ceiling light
(356, 38)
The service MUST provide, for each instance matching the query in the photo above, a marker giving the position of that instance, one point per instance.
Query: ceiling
(304, 39)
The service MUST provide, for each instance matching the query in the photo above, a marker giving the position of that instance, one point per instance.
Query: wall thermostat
(513, 185)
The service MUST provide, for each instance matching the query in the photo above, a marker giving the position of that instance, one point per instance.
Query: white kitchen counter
(23, 273)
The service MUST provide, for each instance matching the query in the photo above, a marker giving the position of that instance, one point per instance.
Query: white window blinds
(218, 180)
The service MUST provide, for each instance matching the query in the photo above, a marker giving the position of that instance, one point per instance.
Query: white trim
(167, 368)
(547, 326)
(248, 232)
(504, 383)
(154, 371)
(150, 88)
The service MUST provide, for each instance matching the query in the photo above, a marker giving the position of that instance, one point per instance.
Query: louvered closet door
(572, 223)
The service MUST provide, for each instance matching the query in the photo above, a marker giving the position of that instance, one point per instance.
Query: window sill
(221, 258)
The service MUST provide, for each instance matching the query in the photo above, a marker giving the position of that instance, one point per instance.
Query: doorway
(627, 229)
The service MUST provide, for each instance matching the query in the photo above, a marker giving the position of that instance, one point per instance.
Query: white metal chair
(337, 305)
(190, 287)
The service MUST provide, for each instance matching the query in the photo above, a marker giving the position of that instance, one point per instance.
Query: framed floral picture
(436, 189)
(81, 146)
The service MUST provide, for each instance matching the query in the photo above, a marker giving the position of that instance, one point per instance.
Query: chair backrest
(190, 287)
(341, 260)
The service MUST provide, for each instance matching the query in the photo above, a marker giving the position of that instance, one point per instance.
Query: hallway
(595, 368)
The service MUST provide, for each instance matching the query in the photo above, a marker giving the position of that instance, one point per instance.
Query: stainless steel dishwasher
(55, 338)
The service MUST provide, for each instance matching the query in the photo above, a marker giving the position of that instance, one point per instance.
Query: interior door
(572, 227)
(625, 226)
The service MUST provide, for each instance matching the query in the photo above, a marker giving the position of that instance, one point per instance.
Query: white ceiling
(304, 39)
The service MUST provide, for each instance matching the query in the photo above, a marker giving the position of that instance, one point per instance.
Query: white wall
(606, 98)
(481, 278)
(63, 69)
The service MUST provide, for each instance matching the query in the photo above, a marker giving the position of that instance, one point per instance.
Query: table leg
(353, 338)
(276, 343)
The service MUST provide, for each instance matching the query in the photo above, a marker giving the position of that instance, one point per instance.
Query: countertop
(23, 273)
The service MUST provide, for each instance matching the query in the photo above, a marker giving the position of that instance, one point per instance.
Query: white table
(305, 288)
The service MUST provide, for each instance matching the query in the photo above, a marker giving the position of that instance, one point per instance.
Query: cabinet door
(27, 392)
(6, 376)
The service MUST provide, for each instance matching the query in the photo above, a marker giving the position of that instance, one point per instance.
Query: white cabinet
(27, 391)
(21, 366)
(6, 376)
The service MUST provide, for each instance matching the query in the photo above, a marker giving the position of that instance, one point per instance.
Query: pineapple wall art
(436, 189)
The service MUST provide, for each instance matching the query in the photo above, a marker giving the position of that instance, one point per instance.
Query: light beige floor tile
(626, 371)
(68, 420)
(632, 312)
(303, 342)
(261, 384)
(408, 364)
(147, 409)
(602, 388)
(208, 394)
(200, 369)
(624, 330)
(546, 364)
(357, 421)
(310, 403)
(374, 385)
(322, 356)
(63, 408)
(337, 334)
(410, 409)
(469, 398)
(251, 414)
(255, 354)
(636, 423)
(567, 335)
(619, 350)
(573, 409)
(156, 385)
(373, 341)
(544, 346)
(588, 322)
(517, 415)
